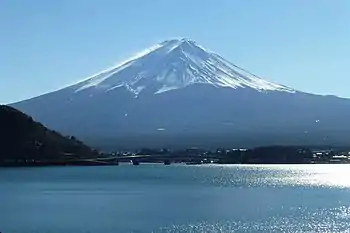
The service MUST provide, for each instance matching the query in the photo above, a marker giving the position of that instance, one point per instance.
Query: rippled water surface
(177, 198)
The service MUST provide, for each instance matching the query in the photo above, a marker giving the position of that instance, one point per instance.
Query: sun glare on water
(317, 175)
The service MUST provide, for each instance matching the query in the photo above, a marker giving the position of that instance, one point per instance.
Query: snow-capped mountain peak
(178, 94)
(174, 64)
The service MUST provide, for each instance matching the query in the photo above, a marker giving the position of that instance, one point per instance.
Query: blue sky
(46, 44)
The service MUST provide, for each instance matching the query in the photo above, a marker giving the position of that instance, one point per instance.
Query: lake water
(176, 198)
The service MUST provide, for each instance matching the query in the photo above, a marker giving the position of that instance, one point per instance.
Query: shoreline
(99, 163)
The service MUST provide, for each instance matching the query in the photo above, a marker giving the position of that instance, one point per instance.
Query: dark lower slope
(198, 115)
(23, 139)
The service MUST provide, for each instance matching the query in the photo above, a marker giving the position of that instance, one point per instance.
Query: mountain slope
(22, 138)
(179, 94)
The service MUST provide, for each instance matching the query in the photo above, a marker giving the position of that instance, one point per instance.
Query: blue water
(176, 198)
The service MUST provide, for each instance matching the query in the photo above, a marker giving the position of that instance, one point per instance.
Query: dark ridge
(23, 139)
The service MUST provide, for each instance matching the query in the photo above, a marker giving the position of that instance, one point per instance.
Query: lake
(176, 198)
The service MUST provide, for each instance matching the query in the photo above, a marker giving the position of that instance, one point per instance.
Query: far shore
(101, 163)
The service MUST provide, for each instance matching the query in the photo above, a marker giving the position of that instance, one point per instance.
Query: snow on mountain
(175, 64)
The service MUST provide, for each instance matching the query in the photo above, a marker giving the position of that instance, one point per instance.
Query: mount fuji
(179, 94)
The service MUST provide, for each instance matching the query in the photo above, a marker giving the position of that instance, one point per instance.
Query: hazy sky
(47, 44)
